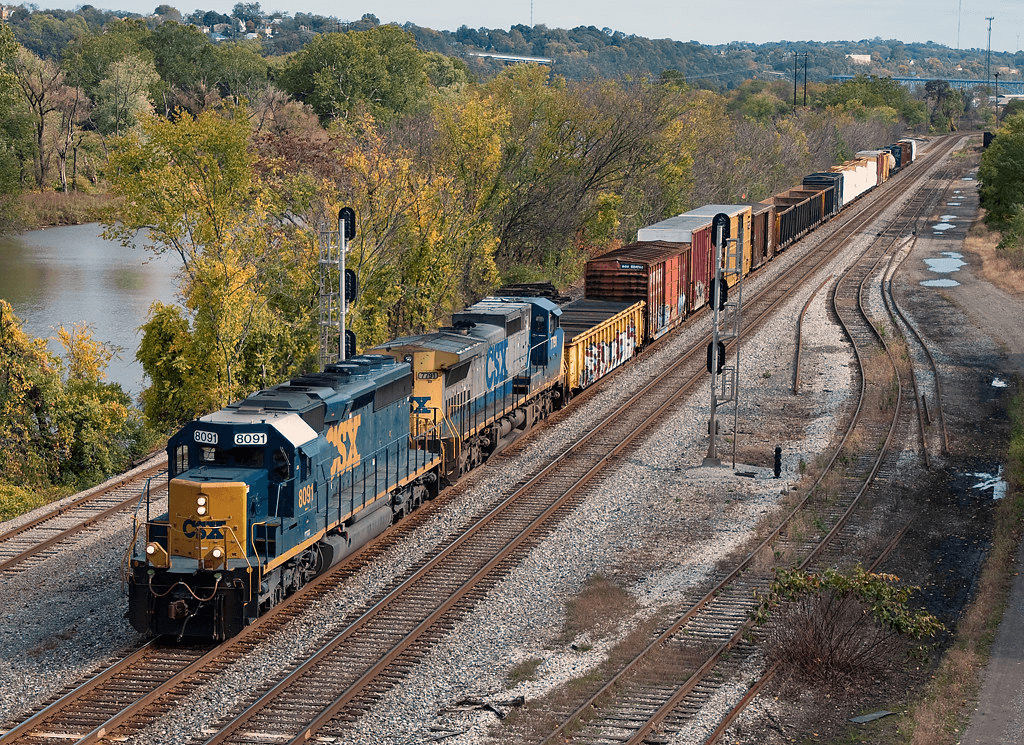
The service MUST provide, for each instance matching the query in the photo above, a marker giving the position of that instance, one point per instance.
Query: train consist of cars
(267, 493)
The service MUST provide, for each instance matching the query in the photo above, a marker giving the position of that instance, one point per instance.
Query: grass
(45, 209)
(599, 608)
(1002, 268)
(523, 671)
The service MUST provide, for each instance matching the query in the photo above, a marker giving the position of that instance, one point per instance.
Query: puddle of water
(993, 481)
(999, 383)
(942, 227)
(947, 218)
(947, 265)
(940, 283)
(953, 254)
(967, 178)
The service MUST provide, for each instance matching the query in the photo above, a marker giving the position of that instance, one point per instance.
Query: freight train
(267, 493)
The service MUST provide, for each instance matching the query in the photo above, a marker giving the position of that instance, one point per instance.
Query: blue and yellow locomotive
(267, 493)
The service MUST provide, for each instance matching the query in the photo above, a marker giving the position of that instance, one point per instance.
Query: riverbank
(35, 210)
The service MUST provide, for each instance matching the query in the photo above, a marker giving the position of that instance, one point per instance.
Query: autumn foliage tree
(190, 187)
(62, 424)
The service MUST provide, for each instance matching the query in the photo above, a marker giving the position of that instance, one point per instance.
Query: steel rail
(694, 680)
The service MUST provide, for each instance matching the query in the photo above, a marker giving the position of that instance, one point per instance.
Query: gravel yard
(657, 528)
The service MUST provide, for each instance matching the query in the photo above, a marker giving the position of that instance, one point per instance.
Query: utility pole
(988, 56)
(959, 7)
(806, 55)
(796, 59)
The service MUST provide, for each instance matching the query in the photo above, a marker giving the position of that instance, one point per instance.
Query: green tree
(15, 132)
(103, 432)
(379, 69)
(1002, 174)
(41, 83)
(89, 57)
(122, 96)
(30, 389)
(184, 60)
(192, 186)
(241, 71)
(871, 92)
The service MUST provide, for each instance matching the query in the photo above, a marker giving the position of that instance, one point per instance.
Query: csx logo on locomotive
(497, 369)
(343, 437)
(204, 529)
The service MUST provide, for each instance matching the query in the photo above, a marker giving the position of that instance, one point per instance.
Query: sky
(955, 23)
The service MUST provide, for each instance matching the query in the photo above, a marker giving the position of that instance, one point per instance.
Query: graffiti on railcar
(604, 356)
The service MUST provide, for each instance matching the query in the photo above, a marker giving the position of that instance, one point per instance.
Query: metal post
(712, 457)
(741, 246)
(794, 80)
(806, 55)
(988, 56)
(995, 103)
(343, 243)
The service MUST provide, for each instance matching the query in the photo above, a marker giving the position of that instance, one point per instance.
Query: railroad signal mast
(337, 288)
(726, 322)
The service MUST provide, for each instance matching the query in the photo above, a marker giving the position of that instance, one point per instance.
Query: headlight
(201, 501)
(201, 510)
(217, 553)
(151, 549)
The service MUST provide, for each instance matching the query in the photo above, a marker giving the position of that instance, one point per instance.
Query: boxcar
(883, 162)
(859, 176)
(695, 227)
(656, 272)
(599, 335)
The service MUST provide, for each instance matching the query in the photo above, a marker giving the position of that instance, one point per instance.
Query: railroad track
(331, 688)
(643, 699)
(30, 544)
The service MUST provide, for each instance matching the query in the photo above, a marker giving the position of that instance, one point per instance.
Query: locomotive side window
(513, 325)
(179, 463)
(282, 466)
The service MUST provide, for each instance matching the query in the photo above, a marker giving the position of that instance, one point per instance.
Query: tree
(379, 69)
(191, 185)
(15, 132)
(41, 83)
(168, 13)
(122, 96)
(88, 58)
(61, 422)
(30, 388)
(72, 107)
(104, 433)
(184, 59)
(247, 12)
(1002, 174)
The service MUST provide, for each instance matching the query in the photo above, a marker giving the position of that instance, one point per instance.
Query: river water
(61, 276)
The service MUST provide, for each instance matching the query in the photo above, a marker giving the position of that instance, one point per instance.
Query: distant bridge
(1005, 86)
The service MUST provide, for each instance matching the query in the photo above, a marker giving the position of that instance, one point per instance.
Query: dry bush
(832, 640)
